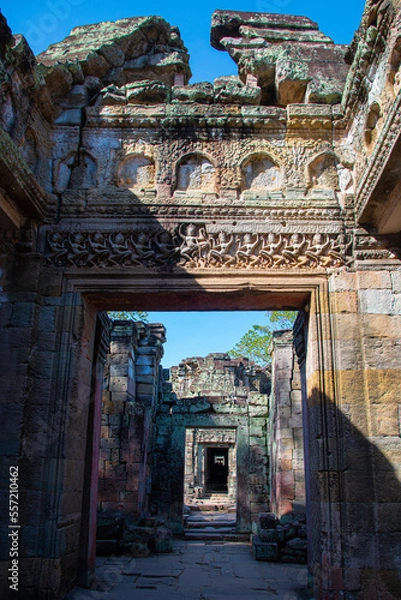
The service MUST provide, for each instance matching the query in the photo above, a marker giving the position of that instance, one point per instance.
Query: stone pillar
(118, 452)
(132, 386)
(48, 332)
(148, 380)
(366, 325)
(286, 447)
(87, 544)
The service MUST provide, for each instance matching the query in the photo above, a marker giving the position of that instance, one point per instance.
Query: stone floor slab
(196, 571)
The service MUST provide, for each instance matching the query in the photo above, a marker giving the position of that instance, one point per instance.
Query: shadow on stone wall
(355, 506)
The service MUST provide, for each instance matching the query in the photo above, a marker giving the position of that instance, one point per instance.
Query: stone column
(148, 381)
(132, 374)
(118, 449)
(48, 336)
(87, 544)
(287, 479)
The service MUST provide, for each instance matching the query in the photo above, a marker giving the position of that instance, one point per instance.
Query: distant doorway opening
(217, 470)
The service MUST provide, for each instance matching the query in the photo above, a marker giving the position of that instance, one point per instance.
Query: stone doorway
(210, 467)
(230, 435)
(217, 470)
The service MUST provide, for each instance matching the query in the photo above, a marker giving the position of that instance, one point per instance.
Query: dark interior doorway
(217, 469)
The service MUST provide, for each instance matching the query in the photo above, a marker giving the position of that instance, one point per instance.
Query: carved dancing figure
(293, 255)
(189, 248)
(79, 255)
(121, 251)
(270, 248)
(246, 251)
(220, 253)
(166, 247)
(204, 247)
(59, 251)
(339, 248)
(143, 247)
(99, 250)
(317, 251)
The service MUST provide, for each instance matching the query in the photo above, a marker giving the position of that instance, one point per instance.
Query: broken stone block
(108, 527)
(163, 540)
(297, 544)
(147, 92)
(271, 535)
(264, 550)
(197, 92)
(140, 550)
(267, 520)
(231, 90)
(132, 533)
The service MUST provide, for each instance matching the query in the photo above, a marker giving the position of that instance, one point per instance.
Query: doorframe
(225, 291)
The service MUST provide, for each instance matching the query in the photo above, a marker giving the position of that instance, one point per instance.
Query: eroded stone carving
(227, 436)
(322, 171)
(260, 172)
(192, 246)
(136, 171)
(196, 173)
(76, 171)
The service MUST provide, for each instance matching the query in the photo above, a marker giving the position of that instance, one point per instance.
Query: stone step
(200, 524)
(216, 536)
(215, 506)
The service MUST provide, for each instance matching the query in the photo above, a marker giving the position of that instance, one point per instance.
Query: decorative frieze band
(194, 246)
(216, 436)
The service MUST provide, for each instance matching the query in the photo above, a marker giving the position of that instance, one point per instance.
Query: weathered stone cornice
(388, 138)
(297, 117)
(181, 115)
(18, 182)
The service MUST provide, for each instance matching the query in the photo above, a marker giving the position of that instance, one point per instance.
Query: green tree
(255, 343)
(125, 315)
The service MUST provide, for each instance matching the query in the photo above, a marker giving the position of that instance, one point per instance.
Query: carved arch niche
(371, 123)
(261, 175)
(76, 172)
(195, 174)
(29, 150)
(136, 172)
(322, 174)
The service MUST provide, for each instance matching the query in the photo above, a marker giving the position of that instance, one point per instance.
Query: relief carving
(215, 436)
(196, 173)
(136, 171)
(322, 172)
(259, 172)
(192, 246)
(76, 172)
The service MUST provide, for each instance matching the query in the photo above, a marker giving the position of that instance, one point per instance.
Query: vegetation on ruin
(124, 315)
(255, 343)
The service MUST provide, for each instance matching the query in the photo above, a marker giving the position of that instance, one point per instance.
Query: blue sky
(199, 333)
(49, 21)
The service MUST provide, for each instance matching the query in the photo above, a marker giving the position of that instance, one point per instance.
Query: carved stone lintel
(196, 246)
(217, 436)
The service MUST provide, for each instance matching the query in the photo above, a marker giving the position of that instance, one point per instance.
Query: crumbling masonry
(123, 187)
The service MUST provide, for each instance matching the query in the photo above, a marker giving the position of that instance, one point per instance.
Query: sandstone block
(267, 551)
(376, 301)
(396, 281)
(164, 540)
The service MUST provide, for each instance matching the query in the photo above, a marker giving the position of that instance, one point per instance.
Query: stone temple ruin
(124, 187)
